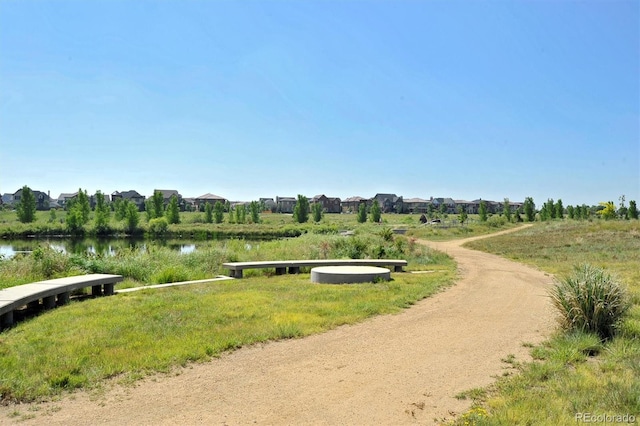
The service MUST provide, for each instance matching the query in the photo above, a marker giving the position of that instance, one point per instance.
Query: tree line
(160, 216)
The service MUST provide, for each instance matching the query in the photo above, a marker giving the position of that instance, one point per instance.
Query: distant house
(285, 204)
(352, 204)
(7, 199)
(449, 205)
(130, 195)
(268, 204)
(329, 204)
(65, 197)
(208, 198)
(43, 201)
(189, 204)
(390, 203)
(167, 194)
(416, 205)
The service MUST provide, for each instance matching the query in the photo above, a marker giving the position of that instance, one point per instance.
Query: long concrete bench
(293, 266)
(53, 293)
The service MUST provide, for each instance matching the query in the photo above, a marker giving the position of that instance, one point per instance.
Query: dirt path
(394, 369)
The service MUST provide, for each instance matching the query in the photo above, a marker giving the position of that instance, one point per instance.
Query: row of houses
(389, 203)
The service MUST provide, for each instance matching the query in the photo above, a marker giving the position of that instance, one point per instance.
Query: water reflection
(103, 247)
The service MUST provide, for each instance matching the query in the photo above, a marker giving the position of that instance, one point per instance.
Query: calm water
(9, 248)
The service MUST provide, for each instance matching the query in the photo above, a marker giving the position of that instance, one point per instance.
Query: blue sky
(461, 99)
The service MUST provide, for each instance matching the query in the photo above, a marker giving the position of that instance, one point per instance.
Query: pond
(109, 246)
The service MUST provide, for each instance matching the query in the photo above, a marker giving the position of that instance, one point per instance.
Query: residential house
(390, 203)
(449, 205)
(268, 204)
(65, 197)
(329, 204)
(189, 204)
(416, 205)
(130, 195)
(285, 204)
(352, 204)
(167, 194)
(208, 198)
(43, 201)
(7, 199)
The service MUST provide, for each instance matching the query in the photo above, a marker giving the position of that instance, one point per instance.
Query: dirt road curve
(390, 370)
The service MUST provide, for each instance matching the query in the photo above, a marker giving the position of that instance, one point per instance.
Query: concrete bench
(53, 293)
(293, 266)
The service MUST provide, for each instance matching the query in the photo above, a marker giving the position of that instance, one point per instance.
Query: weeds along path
(394, 369)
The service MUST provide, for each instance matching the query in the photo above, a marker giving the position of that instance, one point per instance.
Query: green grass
(158, 265)
(572, 372)
(134, 334)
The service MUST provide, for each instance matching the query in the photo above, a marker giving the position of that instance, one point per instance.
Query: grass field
(134, 334)
(574, 373)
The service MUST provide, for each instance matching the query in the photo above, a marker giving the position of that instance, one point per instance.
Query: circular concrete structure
(348, 274)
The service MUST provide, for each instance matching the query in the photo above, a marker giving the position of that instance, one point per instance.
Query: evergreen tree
(173, 209)
(208, 213)
(633, 210)
(362, 212)
(529, 209)
(301, 210)
(218, 212)
(26, 208)
(482, 211)
(376, 213)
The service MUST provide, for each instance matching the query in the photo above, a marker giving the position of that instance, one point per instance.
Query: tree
(102, 214)
(208, 213)
(376, 213)
(218, 212)
(559, 208)
(173, 209)
(462, 215)
(362, 212)
(301, 210)
(482, 211)
(506, 209)
(241, 212)
(157, 205)
(623, 211)
(316, 211)
(571, 212)
(26, 208)
(608, 210)
(132, 216)
(633, 210)
(254, 209)
(529, 209)
(551, 209)
(78, 213)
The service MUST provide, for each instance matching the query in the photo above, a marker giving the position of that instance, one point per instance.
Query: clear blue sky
(243, 99)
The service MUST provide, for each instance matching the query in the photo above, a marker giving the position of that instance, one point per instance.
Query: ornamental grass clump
(590, 300)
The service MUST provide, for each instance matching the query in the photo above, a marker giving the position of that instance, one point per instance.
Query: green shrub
(590, 300)
(158, 227)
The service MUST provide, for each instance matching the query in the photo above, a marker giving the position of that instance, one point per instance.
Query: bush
(158, 227)
(590, 300)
